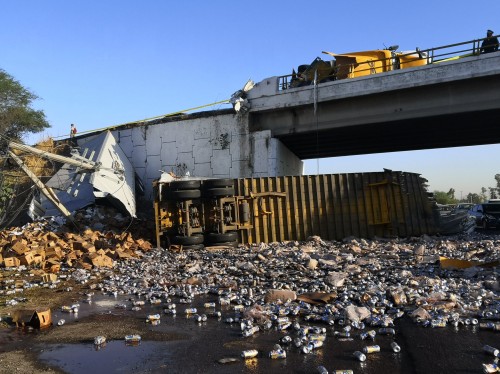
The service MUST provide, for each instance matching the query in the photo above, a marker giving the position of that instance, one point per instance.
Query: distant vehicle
(445, 209)
(486, 215)
(462, 207)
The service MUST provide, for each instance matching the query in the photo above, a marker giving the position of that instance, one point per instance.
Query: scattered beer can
(395, 347)
(491, 350)
(133, 339)
(360, 356)
(277, 354)
(491, 368)
(99, 340)
(371, 349)
(250, 353)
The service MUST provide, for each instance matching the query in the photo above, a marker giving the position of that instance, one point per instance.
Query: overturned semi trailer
(194, 212)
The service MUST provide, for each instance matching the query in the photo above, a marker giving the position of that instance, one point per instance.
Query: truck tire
(185, 185)
(195, 247)
(219, 192)
(215, 237)
(218, 183)
(187, 240)
(184, 194)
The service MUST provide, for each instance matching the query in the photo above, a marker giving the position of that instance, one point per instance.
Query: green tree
(497, 179)
(493, 192)
(17, 119)
(473, 198)
(445, 198)
(451, 193)
(17, 116)
(483, 195)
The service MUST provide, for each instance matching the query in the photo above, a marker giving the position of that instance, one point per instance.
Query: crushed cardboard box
(32, 246)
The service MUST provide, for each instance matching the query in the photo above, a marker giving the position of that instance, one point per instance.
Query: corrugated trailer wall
(336, 206)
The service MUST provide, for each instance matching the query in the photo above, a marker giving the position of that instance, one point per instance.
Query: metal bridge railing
(326, 71)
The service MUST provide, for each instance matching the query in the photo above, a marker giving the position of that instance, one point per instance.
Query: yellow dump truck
(356, 64)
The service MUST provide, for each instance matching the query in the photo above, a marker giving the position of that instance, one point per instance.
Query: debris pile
(356, 288)
(48, 245)
(355, 280)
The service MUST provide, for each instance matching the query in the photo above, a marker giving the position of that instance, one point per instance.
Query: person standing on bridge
(490, 44)
(72, 134)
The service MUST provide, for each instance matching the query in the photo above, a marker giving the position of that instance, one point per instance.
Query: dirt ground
(17, 353)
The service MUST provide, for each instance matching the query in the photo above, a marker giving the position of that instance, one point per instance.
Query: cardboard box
(28, 258)
(49, 277)
(101, 260)
(38, 318)
(19, 247)
(11, 262)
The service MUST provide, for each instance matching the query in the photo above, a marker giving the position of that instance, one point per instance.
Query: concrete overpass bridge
(450, 102)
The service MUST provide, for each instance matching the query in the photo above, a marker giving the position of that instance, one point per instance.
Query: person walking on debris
(490, 43)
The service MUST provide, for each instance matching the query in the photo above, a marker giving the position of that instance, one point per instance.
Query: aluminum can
(209, 305)
(250, 353)
(371, 349)
(99, 340)
(312, 337)
(387, 331)
(153, 317)
(284, 326)
(287, 339)
(438, 323)
(490, 325)
(297, 342)
(214, 313)
(395, 347)
(342, 334)
(360, 356)
(277, 354)
(282, 320)
(315, 344)
(190, 311)
(491, 368)
(342, 372)
(224, 301)
(491, 350)
(321, 370)
(250, 331)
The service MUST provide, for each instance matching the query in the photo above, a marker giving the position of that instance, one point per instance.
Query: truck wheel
(187, 240)
(214, 237)
(184, 194)
(185, 185)
(218, 183)
(195, 247)
(220, 192)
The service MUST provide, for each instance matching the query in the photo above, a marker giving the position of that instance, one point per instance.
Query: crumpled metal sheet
(113, 181)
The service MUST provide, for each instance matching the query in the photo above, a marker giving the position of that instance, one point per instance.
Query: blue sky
(98, 63)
